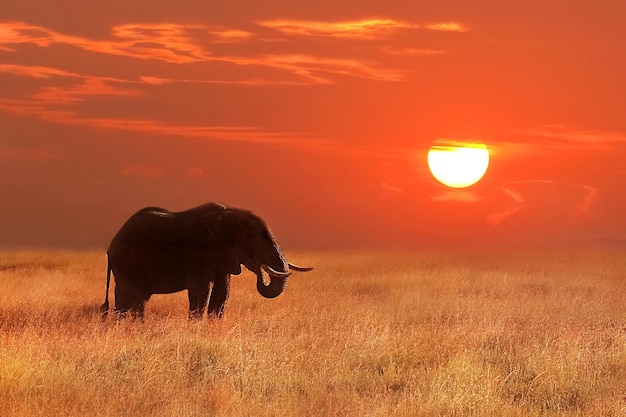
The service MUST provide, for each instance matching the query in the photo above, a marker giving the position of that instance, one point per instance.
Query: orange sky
(316, 115)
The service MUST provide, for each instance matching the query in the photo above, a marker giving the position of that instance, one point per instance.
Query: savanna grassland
(516, 333)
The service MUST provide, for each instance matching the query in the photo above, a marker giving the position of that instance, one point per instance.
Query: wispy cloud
(357, 29)
(166, 42)
(181, 44)
(147, 79)
(575, 200)
(559, 134)
(59, 95)
(76, 87)
(310, 66)
(500, 216)
(42, 109)
(227, 35)
(404, 51)
(35, 71)
(76, 93)
(555, 138)
(448, 27)
(186, 44)
(464, 196)
(155, 127)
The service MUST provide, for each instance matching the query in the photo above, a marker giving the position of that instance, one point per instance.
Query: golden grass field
(516, 333)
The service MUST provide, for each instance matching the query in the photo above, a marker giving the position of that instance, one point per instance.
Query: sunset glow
(149, 105)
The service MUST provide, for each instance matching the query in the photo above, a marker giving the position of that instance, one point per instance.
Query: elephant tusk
(299, 268)
(274, 273)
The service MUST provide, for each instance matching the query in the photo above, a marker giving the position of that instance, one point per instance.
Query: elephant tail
(104, 308)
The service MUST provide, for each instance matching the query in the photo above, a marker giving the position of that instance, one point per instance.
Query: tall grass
(364, 334)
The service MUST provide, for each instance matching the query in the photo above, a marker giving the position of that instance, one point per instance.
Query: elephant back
(149, 226)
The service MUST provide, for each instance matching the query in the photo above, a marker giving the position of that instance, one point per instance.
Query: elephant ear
(221, 252)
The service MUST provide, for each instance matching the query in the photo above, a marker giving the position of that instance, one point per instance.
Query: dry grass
(423, 334)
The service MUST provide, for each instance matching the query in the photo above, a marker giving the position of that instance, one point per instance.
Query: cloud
(167, 42)
(155, 127)
(76, 93)
(244, 134)
(187, 44)
(175, 43)
(358, 29)
(227, 35)
(35, 71)
(464, 196)
(146, 79)
(564, 135)
(404, 51)
(367, 29)
(497, 218)
(555, 138)
(309, 66)
(448, 27)
(573, 202)
(58, 95)
(81, 87)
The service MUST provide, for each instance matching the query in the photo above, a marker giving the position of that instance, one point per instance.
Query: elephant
(161, 252)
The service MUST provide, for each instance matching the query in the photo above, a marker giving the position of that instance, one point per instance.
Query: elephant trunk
(278, 282)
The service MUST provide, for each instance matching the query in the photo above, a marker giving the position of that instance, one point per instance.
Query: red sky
(316, 115)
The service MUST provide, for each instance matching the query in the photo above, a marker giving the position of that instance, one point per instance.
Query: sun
(458, 164)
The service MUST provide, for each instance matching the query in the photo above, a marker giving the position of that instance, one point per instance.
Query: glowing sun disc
(458, 164)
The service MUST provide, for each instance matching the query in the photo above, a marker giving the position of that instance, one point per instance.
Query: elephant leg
(197, 279)
(219, 295)
(136, 311)
(197, 301)
(130, 303)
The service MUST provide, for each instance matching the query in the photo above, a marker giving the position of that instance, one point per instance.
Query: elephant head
(240, 237)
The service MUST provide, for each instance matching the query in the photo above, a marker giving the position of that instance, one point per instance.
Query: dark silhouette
(160, 252)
